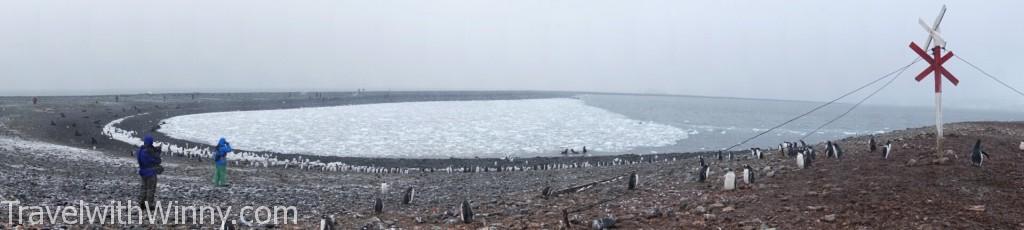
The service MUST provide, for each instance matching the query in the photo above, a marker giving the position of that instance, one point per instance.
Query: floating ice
(427, 129)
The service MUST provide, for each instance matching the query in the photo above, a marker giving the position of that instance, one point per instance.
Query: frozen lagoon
(439, 129)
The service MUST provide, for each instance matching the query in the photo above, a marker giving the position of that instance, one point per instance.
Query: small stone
(709, 216)
(699, 210)
(717, 205)
(912, 162)
(815, 208)
(829, 218)
(728, 209)
(771, 174)
(603, 223)
(976, 208)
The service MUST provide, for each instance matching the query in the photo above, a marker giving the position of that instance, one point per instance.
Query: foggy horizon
(803, 50)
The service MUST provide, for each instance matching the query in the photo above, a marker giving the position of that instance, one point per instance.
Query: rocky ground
(912, 190)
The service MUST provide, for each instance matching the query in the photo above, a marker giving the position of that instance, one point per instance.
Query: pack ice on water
(438, 129)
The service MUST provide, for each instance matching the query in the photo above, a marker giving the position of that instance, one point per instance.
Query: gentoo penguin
(977, 154)
(729, 180)
(327, 223)
(748, 174)
(719, 155)
(573, 151)
(829, 149)
(701, 158)
(634, 179)
(467, 212)
(584, 149)
(886, 149)
(703, 173)
(378, 206)
(800, 161)
(565, 151)
(838, 152)
(410, 193)
(730, 156)
(871, 144)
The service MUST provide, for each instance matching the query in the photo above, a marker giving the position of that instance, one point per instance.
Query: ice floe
(439, 129)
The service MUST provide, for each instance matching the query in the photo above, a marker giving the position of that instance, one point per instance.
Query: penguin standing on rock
(838, 152)
(886, 150)
(701, 158)
(719, 155)
(872, 143)
(467, 212)
(977, 154)
(801, 161)
(748, 174)
(703, 173)
(829, 149)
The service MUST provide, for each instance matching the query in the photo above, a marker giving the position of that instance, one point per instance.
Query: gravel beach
(50, 159)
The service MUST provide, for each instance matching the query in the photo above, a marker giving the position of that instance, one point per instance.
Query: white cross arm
(932, 34)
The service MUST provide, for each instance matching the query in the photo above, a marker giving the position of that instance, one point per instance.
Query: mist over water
(716, 123)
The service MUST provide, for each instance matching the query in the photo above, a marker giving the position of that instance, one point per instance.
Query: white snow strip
(14, 145)
(437, 129)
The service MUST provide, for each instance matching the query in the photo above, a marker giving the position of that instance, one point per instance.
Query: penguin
(327, 223)
(977, 154)
(573, 151)
(634, 180)
(837, 151)
(565, 151)
(1022, 146)
(701, 158)
(829, 149)
(729, 180)
(719, 155)
(748, 174)
(584, 149)
(467, 212)
(886, 150)
(378, 206)
(55, 124)
(410, 193)
(872, 143)
(800, 161)
(730, 156)
(703, 173)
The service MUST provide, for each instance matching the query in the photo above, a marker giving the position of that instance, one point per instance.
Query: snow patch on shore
(428, 129)
(22, 147)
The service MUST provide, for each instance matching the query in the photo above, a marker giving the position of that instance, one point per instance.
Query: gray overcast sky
(807, 50)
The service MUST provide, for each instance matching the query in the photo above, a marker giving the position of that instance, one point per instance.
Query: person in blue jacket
(148, 157)
(220, 177)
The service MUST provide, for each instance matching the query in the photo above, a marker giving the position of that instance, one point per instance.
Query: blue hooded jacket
(147, 160)
(223, 148)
